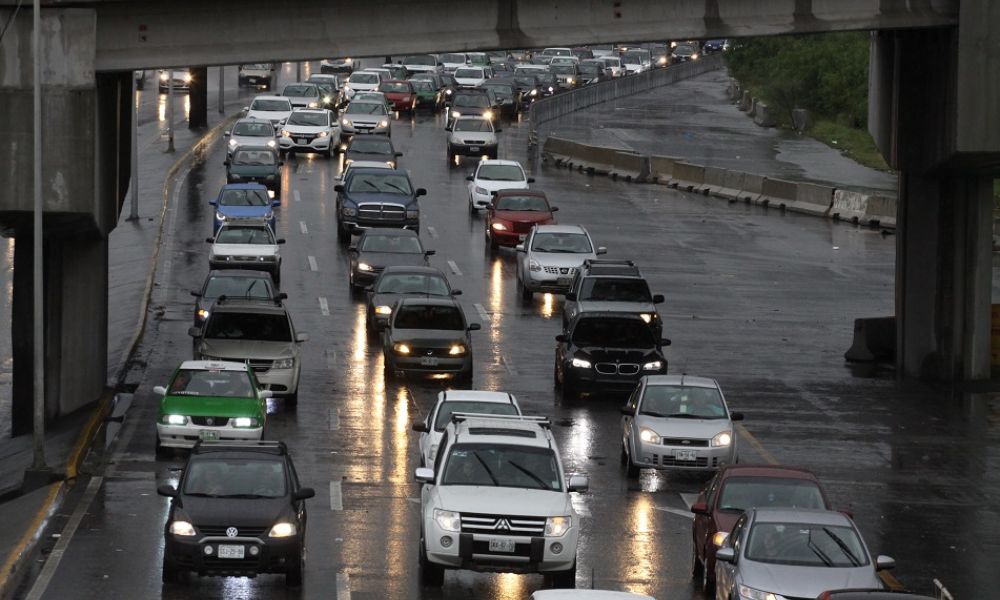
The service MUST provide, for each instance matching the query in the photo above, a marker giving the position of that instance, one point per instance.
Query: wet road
(762, 302)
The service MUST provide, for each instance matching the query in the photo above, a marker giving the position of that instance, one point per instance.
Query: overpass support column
(198, 96)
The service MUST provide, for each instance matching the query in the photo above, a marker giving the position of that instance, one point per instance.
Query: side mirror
(725, 555)
(885, 563)
(520, 248)
(301, 337)
(456, 292)
(194, 331)
(562, 337)
(424, 475)
(665, 342)
(578, 483)
(226, 134)
(196, 293)
(281, 296)
(303, 493)
(420, 192)
(213, 203)
(430, 252)
(226, 162)
(571, 296)
(699, 508)
(266, 394)
(160, 390)
(246, 109)
(554, 209)
(657, 298)
(338, 188)
(167, 490)
(602, 250)
(210, 240)
(275, 203)
(280, 241)
(470, 178)
(736, 416)
(626, 411)
(497, 130)
(475, 327)
(531, 180)
(420, 426)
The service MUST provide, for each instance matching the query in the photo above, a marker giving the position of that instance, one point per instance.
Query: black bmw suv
(606, 351)
(239, 511)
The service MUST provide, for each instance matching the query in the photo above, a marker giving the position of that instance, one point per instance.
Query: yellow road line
(767, 456)
(33, 530)
(891, 582)
(76, 456)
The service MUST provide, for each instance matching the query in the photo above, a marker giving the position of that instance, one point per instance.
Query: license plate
(473, 148)
(252, 79)
(501, 545)
(564, 281)
(301, 141)
(231, 551)
(428, 361)
(208, 435)
(685, 455)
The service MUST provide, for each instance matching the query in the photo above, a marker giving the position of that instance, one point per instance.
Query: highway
(763, 303)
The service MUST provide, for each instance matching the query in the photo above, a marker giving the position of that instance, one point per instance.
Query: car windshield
(271, 105)
(563, 69)
(259, 66)
(613, 333)
(741, 493)
(208, 382)
(389, 183)
(500, 89)
(682, 402)
(415, 316)
(397, 244)
(525, 80)
(396, 86)
(471, 100)
(254, 157)
(251, 129)
(565, 243)
(612, 62)
(420, 59)
(245, 235)
(311, 119)
(422, 85)
(369, 97)
(366, 108)
(256, 197)
(478, 125)
(412, 283)
(502, 465)
(249, 326)
(528, 203)
(238, 287)
(299, 90)
(608, 289)
(590, 70)
(563, 60)
(479, 58)
(500, 173)
(635, 57)
(235, 478)
(806, 545)
(684, 50)
(453, 58)
(370, 145)
(470, 406)
(363, 78)
(469, 73)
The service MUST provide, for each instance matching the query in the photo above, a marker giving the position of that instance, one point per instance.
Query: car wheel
(170, 572)
(569, 389)
(631, 469)
(472, 207)
(556, 377)
(431, 575)
(564, 579)
(293, 576)
(526, 294)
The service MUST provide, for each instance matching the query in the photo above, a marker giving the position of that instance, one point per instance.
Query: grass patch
(857, 144)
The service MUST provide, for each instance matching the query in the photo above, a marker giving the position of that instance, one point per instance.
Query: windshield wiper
(843, 546)
(244, 496)
(653, 414)
(396, 187)
(488, 471)
(822, 555)
(201, 495)
(250, 287)
(536, 478)
(684, 416)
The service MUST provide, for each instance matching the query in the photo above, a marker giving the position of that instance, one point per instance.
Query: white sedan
(492, 176)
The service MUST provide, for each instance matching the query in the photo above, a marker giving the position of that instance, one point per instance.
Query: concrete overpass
(934, 112)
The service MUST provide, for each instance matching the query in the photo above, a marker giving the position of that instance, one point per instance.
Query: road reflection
(641, 562)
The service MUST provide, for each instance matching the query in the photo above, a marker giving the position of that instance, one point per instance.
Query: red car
(736, 488)
(512, 214)
(400, 93)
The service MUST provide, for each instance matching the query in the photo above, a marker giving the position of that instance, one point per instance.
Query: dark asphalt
(760, 301)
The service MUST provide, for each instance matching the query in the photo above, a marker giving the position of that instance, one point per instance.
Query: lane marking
(433, 232)
(324, 306)
(761, 450)
(454, 268)
(295, 194)
(414, 500)
(55, 557)
(689, 499)
(336, 496)
(482, 311)
(334, 419)
(312, 264)
(507, 364)
(331, 358)
(302, 226)
(343, 587)
(687, 514)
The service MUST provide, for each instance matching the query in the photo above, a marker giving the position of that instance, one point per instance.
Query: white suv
(459, 401)
(498, 499)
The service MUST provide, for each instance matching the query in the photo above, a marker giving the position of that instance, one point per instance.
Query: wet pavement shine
(763, 302)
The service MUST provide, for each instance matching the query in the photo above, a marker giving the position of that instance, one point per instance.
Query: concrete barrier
(688, 176)
(882, 211)
(746, 101)
(732, 183)
(763, 115)
(753, 107)
(777, 192)
(593, 159)
(865, 209)
(630, 166)
(801, 119)
(874, 340)
(812, 199)
(715, 180)
(661, 169)
(559, 150)
(752, 187)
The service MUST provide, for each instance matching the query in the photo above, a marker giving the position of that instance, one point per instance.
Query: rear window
(249, 326)
(607, 289)
(469, 406)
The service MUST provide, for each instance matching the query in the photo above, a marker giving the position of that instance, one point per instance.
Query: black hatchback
(238, 510)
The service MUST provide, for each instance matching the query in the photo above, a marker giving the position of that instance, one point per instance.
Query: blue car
(243, 201)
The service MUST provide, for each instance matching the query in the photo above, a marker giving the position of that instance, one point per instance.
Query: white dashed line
(295, 194)
(334, 419)
(507, 364)
(312, 264)
(324, 306)
(343, 587)
(302, 226)
(482, 311)
(687, 514)
(433, 232)
(689, 499)
(454, 268)
(336, 499)
(331, 358)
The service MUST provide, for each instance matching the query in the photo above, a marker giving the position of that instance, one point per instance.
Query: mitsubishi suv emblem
(502, 524)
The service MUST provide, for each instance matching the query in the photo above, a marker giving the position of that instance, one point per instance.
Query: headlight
(269, 216)
(482, 191)
(413, 213)
(270, 144)
(569, 80)
(722, 439)
(550, 89)
(347, 88)
(348, 161)
(456, 350)
(163, 76)
(175, 419)
(448, 520)
(236, 176)
(233, 143)
(244, 422)
(348, 212)
(401, 348)
(323, 134)
(203, 314)
(383, 123)
(557, 526)
(348, 60)
(580, 363)
(654, 365)
(694, 57)
(365, 267)
(534, 92)
(314, 105)
(383, 310)
(649, 436)
(455, 114)
(719, 538)
(662, 60)
(286, 133)
(751, 594)
(488, 115)
(647, 317)
(281, 530)
(533, 265)
(499, 227)
(345, 123)
(391, 164)
(187, 78)
(284, 363)
(327, 99)
(219, 216)
(182, 528)
(448, 92)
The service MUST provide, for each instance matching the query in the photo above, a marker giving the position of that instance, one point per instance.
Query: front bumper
(507, 238)
(590, 379)
(273, 184)
(274, 555)
(281, 382)
(363, 278)
(401, 104)
(683, 458)
(473, 150)
(361, 129)
(356, 226)
(540, 281)
(186, 436)
(532, 554)
(422, 365)
(306, 143)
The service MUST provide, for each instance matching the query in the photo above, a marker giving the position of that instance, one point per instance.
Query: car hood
(621, 355)
(269, 115)
(234, 512)
(386, 259)
(363, 87)
(252, 140)
(385, 197)
(699, 429)
(493, 185)
(428, 338)
(242, 350)
(210, 406)
(469, 110)
(616, 306)
(805, 582)
(390, 299)
(302, 100)
(359, 118)
(394, 95)
(522, 216)
(244, 250)
(463, 137)
(503, 500)
(245, 212)
(310, 129)
(369, 156)
(555, 259)
(470, 81)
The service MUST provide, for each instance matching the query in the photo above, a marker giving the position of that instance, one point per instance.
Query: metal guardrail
(941, 592)
(561, 104)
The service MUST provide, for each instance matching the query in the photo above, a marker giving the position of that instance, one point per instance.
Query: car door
(703, 526)
(522, 257)
(725, 573)
(425, 437)
(628, 420)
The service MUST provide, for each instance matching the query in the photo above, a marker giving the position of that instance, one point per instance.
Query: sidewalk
(694, 119)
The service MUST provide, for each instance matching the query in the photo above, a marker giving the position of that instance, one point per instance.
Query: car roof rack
(460, 417)
(270, 446)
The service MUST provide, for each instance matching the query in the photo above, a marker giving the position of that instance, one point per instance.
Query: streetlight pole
(38, 437)
(134, 196)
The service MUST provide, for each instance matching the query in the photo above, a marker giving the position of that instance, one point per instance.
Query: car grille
(210, 421)
(220, 531)
(474, 142)
(303, 137)
(684, 442)
(617, 368)
(560, 270)
(669, 461)
(245, 258)
(260, 366)
(503, 524)
(431, 352)
(382, 212)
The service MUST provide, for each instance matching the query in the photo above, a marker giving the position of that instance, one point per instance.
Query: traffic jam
(496, 494)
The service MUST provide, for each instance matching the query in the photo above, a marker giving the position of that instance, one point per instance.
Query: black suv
(472, 102)
(606, 351)
(375, 197)
(238, 510)
(604, 285)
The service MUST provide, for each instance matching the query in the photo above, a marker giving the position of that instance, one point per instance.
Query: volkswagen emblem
(232, 532)
(502, 525)
(209, 421)
(430, 352)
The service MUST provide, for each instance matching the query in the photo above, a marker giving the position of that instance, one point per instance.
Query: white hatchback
(492, 176)
(310, 130)
(275, 109)
(470, 76)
